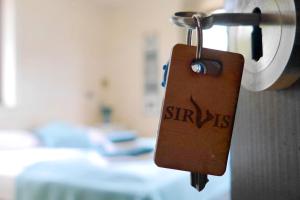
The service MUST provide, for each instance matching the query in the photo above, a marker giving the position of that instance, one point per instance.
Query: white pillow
(98, 138)
(17, 139)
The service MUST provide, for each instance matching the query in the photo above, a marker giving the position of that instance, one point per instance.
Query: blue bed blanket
(79, 179)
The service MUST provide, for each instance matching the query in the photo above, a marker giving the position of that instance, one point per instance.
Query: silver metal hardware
(197, 19)
(197, 65)
(276, 64)
(189, 37)
(185, 19)
(279, 66)
(211, 67)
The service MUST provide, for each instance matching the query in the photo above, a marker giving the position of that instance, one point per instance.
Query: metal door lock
(265, 32)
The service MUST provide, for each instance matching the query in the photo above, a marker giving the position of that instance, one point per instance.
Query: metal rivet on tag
(199, 67)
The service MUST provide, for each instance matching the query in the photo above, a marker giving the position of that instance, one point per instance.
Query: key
(198, 180)
(202, 89)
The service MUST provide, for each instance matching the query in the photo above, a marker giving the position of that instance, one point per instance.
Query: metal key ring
(197, 66)
(189, 37)
(185, 19)
(197, 18)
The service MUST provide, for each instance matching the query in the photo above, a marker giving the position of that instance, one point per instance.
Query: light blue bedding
(81, 180)
(60, 134)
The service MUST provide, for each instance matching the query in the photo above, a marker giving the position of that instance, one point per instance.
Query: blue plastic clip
(166, 69)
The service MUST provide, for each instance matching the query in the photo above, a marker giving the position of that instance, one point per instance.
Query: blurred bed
(31, 170)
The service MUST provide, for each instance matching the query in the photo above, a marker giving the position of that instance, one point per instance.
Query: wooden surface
(266, 146)
(198, 112)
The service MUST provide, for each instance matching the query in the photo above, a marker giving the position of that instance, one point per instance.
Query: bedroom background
(66, 48)
(71, 60)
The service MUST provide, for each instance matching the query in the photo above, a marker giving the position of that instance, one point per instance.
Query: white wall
(129, 24)
(65, 48)
(205, 6)
(59, 51)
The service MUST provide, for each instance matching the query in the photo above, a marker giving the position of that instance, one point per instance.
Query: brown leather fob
(198, 112)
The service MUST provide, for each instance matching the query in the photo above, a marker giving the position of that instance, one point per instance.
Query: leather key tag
(198, 112)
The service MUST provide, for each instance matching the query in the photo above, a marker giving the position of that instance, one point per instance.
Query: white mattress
(14, 162)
